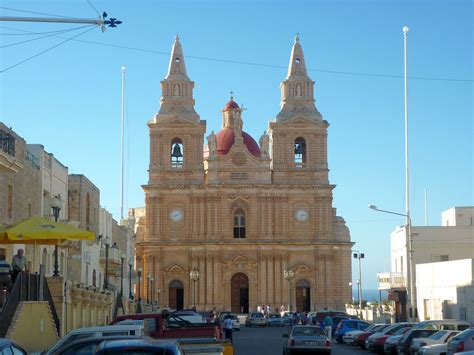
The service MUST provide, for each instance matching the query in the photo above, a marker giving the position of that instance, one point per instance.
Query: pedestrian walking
(328, 326)
(228, 328)
(18, 264)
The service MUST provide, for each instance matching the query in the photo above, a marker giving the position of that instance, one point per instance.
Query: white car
(436, 349)
(443, 336)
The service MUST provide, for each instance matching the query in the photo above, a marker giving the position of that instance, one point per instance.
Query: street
(268, 341)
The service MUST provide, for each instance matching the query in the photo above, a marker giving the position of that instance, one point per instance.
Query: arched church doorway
(303, 296)
(176, 295)
(239, 297)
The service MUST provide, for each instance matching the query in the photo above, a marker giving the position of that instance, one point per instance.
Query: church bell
(176, 151)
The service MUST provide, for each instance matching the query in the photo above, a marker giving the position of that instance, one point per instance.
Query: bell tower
(299, 133)
(176, 131)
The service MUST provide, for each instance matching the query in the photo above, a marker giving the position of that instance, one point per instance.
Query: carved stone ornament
(239, 159)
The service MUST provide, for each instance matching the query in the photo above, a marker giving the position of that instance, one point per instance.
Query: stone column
(201, 283)
(217, 282)
(278, 279)
(209, 282)
(270, 280)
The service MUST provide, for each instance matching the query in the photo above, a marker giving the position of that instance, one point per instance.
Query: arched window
(177, 153)
(300, 152)
(239, 224)
(176, 90)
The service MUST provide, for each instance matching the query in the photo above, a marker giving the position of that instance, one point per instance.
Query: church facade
(255, 221)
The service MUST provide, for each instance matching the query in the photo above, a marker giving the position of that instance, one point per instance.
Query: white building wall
(458, 216)
(446, 290)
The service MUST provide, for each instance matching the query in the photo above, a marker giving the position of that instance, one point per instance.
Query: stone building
(239, 212)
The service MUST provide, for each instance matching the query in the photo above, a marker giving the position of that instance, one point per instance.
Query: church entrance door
(239, 297)
(176, 295)
(303, 296)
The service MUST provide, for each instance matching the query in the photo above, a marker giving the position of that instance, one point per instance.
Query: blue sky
(68, 99)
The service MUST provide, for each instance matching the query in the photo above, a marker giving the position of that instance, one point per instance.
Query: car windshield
(257, 315)
(275, 316)
(438, 335)
(464, 333)
(307, 331)
(378, 328)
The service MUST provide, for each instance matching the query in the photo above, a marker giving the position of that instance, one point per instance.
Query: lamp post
(139, 271)
(411, 283)
(158, 297)
(288, 274)
(358, 255)
(122, 259)
(194, 275)
(106, 278)
(148, 277)
(56, 205)
(151, 290)
(130, 265)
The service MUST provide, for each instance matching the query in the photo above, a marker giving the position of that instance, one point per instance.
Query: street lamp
(358, 255)
(194, 275)
(56, 205)
(148, 277)
(106, 278)
(139, 271)
(130, 265)
(412, 297)
(288, 274)
(158, 297)
(122, 259)
(151, 290)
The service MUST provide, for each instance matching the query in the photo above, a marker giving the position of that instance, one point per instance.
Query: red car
(359, 339)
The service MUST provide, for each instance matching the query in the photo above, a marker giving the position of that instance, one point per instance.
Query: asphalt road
(268, 341)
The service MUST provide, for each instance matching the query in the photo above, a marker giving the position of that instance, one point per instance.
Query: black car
(140, 346)
(403, 345)
(8, 346)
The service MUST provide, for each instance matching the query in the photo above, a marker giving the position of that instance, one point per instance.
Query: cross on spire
(231, 95)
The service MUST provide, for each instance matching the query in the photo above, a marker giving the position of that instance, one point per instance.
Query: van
(444, 324)
(92, 332)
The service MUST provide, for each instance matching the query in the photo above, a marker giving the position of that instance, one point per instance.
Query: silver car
(255, 318)
(308, 338)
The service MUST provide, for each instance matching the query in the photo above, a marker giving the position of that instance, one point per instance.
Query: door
(239, 297)
(303, 296)
(176, 295)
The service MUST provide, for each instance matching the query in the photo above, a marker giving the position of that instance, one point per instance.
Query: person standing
(5, 271)
(228, 328)
(328, 326)
(18, 264)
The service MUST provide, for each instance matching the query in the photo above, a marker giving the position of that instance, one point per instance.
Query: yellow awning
(40, 230)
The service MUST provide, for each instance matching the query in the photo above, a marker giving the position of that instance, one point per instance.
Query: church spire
(177, 68)
(297, 65)
(297, 90)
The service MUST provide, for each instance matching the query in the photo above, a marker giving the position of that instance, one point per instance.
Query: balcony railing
(7, 143)
(114, 256)
(391, 280)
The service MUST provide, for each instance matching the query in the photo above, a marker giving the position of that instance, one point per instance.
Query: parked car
(87, 345)
(349, 337)
(235, 321)
(390, 344)
(255, 318)
(97, 332)
(403, 345)
(307, 338)
(464, 341)
(359, 339)
(444, 324)
(376, 341)
(139, 346)
(347, 325)
(275, 320)
(436, 349)
(289, 318)
(441, 336)
(8, 346)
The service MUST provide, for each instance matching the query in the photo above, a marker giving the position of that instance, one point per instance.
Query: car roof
(137, 316)
(104, 328)
(147, 343)
(96, 340)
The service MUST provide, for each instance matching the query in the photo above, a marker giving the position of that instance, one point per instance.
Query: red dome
(231, 104)
(225, 141)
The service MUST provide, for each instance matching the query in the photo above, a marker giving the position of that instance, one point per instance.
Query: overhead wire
(35, 13)
(97, 12)
(232, 61)
(27, 34)
(46, 36)
(45, 51)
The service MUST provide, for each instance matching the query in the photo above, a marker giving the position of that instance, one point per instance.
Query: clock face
(301, 215)
(176, 215)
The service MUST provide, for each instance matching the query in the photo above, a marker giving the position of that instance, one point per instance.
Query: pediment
(175, 268)
(302, 268)
(301, 120)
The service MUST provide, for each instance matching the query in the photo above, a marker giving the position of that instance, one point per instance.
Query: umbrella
(41, 230)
